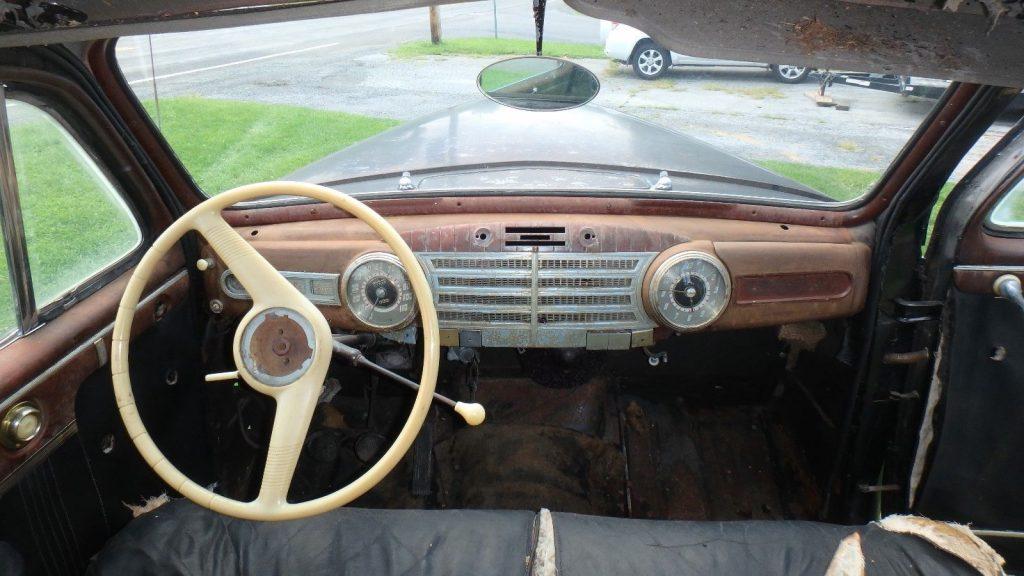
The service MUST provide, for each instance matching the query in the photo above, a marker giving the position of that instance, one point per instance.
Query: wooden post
(435, 25)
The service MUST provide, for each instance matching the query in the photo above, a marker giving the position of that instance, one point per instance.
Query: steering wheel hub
(277, 346)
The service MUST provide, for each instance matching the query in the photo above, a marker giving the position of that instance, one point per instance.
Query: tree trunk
(435, 25)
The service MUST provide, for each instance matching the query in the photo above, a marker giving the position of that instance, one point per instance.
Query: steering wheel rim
(295, 399)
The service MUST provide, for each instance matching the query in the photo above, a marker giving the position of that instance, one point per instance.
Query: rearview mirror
(538, 83)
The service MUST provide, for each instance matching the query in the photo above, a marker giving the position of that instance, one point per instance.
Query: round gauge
(689, 290)
(378, 292)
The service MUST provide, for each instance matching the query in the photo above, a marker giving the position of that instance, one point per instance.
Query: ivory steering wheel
(295, 380)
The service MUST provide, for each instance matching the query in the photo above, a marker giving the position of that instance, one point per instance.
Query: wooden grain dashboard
(779, 273)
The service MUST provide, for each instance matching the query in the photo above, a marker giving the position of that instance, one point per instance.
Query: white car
(649, 60)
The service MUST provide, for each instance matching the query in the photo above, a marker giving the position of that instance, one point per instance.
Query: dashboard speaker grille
(549, 294)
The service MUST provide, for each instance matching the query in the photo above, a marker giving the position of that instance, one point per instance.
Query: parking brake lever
(472, 413)
(1008, 286)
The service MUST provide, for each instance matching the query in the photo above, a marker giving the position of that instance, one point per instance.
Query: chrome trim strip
(296, 279)
(989, 268)
(86, 344)
(14, 227)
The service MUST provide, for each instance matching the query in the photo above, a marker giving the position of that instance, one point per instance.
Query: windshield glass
(370, 105)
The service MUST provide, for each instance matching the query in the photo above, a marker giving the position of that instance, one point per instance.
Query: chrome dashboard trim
(538, 299)
(303, 281)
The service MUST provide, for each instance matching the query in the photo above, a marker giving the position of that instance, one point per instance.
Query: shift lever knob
(472, 413)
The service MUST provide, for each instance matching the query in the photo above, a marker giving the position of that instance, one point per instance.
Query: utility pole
(435, 25)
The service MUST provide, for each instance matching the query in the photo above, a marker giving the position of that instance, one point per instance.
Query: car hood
(489, 140)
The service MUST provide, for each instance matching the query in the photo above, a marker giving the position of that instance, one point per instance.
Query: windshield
(370, 105)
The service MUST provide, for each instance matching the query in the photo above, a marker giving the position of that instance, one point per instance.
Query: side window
(75, 222)
(1009, 211)
(8, 318)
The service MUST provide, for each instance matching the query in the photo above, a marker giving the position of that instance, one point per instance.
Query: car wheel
(789, 74)
(650, 60)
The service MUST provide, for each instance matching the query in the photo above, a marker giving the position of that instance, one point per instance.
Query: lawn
(494, 47)
(845, 183)
(226, 143)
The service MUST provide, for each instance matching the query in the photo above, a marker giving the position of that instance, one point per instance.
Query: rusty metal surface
(279, 345)
(748, 249)
(966, 45)
(664, 467)
(523, 401)
(529, 467)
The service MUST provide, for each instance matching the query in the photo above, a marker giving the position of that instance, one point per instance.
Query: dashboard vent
(538, 298)
(530, 237)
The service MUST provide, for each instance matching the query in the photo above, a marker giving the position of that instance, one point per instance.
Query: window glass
(1009, 212)
(8, 321)
(277, 101)
(76, 223)
(1013, 114)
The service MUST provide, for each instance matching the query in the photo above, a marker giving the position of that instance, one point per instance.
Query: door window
(8, 319)
(1009, 212)
(75, 223)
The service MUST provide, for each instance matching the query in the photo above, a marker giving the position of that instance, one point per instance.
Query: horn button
(277, 346)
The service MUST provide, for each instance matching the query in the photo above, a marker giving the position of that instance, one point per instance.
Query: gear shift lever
(472, 413)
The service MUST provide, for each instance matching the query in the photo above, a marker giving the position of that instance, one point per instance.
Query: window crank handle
(1008, 286)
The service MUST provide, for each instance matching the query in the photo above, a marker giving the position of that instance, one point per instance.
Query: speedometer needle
(374, 307)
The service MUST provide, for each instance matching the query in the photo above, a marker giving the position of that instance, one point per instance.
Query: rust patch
(813, 35)
(278, 346)
(510, 467)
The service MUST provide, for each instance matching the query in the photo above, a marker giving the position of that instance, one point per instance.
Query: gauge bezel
(664, 267)
(346, 276)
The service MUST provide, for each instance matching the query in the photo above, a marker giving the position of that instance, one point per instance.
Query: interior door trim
(55, 388)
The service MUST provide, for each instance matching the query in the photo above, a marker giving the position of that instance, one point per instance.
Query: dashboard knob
(20, 425)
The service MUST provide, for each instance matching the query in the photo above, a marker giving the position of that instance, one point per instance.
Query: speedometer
(689, 290)
(378, 292)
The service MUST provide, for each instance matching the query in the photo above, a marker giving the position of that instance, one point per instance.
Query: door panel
(61, 493)
(972, 470)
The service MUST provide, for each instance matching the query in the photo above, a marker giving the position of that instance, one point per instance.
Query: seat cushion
(589, 545)
(181, 538)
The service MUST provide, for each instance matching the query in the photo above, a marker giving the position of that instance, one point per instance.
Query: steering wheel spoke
(295, 406)
(265, 285)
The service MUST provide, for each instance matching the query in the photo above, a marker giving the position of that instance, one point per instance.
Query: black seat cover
(590, 545)
(181, 538)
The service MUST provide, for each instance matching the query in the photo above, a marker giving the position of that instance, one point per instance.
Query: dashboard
(595, 282)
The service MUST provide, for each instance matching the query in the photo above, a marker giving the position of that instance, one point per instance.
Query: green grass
(837, 183)
(847, 183)
(494, 47)
(74, 226)
(226, 143)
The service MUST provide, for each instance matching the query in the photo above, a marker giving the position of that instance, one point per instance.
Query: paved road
(342, 64)
(240, 48)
